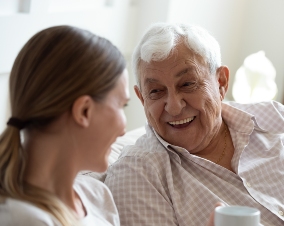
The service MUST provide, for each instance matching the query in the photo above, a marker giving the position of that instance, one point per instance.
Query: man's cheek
(149, 111)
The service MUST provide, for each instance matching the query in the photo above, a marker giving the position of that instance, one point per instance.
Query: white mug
(236, 216)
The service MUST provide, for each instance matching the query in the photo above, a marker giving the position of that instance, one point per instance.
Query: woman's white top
(96, 198)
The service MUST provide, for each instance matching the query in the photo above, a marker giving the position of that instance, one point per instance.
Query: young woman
(68, 88)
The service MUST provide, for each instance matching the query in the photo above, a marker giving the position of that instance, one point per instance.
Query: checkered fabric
(156, 183)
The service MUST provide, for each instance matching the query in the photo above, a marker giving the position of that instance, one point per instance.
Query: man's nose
(174, 103)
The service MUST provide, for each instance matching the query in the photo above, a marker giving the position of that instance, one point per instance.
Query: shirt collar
(237, 119)
(174, 150)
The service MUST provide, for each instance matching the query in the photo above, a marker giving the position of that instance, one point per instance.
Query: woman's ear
(81, 110)
(223, 74)
(139, 94)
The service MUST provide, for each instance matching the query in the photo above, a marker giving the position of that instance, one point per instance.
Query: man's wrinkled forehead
(170, 65)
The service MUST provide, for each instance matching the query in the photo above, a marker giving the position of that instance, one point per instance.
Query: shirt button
(280, 213)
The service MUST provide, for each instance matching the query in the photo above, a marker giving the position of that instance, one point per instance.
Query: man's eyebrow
(150, 80)
(189, 68)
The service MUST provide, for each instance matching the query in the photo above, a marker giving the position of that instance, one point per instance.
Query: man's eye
(187, 83)
(155, 94)
(154, 91)
(189, 86)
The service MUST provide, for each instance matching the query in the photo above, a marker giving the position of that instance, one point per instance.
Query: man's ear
(139, 94)
(81, 110)
(223, 74)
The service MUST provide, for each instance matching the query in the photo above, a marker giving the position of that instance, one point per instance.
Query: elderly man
(197, 150)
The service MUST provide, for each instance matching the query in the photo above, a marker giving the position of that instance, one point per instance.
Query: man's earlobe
(222, 92)
(81, 110)
(223, 79)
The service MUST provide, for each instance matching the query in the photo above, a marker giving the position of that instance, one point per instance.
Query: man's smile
(182, 123)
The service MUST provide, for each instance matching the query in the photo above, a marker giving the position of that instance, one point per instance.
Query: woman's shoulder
(89, 183)
(97, 200)
(20, 213)
(92, 189)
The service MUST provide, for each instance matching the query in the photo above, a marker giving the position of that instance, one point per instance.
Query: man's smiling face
(181, 99)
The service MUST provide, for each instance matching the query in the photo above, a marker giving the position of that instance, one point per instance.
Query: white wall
(264, 30)
(111, 22)
(4, 100)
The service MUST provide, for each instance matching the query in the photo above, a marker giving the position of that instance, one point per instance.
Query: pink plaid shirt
(156, 183)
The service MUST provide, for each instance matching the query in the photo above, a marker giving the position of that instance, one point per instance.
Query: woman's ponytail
(12, 162)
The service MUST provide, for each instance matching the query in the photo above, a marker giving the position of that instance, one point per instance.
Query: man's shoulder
(146, 154)
(16, 212)
(268, 115)
(257, 106)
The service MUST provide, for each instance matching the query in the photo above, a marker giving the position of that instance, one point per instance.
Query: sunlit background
(242, 27)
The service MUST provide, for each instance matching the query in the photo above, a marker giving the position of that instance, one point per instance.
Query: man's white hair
(160, 40)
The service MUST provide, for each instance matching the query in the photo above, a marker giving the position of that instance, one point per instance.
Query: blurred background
(242, 28)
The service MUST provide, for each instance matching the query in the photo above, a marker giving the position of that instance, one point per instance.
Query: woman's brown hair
(54, 68)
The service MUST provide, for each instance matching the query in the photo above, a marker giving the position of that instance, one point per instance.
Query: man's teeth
(181, 121)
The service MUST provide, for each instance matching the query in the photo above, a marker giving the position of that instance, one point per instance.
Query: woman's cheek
(123, 120)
